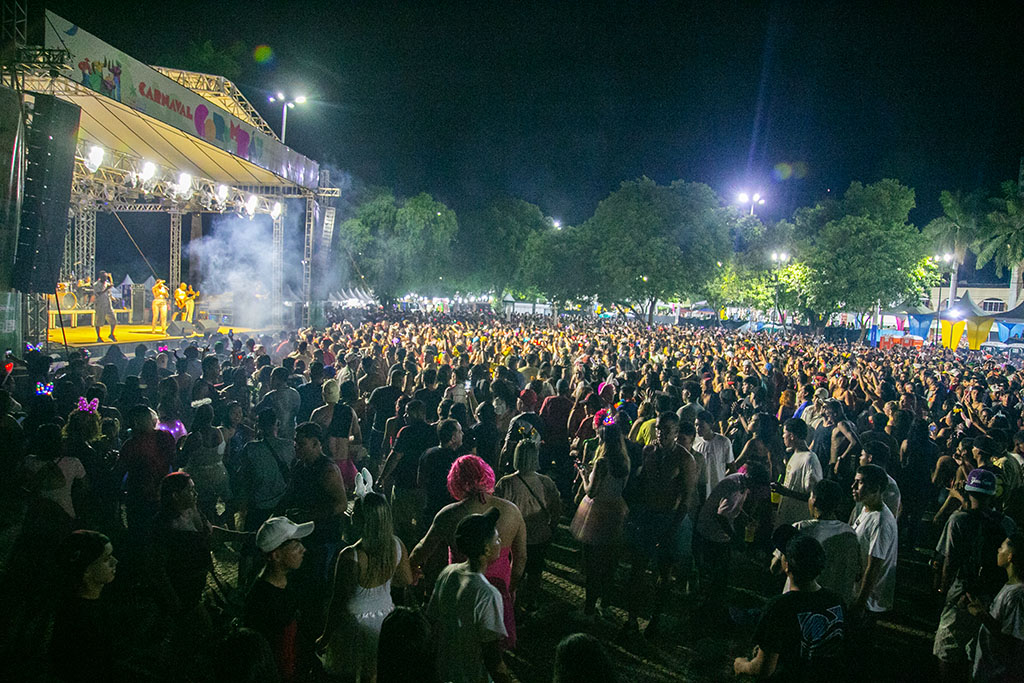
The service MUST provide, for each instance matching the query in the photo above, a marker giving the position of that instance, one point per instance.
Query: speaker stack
(44, 211)
(180, 328)
(207, 326)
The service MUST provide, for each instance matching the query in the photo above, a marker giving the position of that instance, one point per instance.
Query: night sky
(559, 102)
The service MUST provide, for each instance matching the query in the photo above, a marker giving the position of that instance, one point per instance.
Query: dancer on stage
(161, 296)
(185, 299)
(103, 306)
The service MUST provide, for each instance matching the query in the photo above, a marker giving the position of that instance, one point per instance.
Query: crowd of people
(390, 490)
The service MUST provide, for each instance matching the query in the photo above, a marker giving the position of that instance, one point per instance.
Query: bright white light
(438, 213)
(743, 197)
(280, 95)
(775, 256)
(184, 185)
(557, 223)
(148, 171)
(783, 256)
(275, 210)
(947, 257)
(291, 105)
(95, 158)
(757, 197)
(301, 99)
(222, 193)
(250, 204)
(760, 201)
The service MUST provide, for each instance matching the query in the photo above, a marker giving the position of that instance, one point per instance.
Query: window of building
(993, 305)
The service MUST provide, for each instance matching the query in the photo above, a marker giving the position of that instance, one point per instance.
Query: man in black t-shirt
(802, 633)
(434, 465)
(270, 607)
(379, 408)
(398, 476)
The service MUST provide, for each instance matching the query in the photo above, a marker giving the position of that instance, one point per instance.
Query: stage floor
(126, 334)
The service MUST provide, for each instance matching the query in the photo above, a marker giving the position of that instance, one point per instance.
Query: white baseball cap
(274, 532)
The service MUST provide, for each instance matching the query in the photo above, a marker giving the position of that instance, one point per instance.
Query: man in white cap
(270, 607)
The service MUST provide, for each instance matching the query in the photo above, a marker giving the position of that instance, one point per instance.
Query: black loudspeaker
(12, 150)
(205, 327)
(180, 328)
(44, 211)
(138, 304)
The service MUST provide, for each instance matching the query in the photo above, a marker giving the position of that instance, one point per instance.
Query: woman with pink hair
(471, 483)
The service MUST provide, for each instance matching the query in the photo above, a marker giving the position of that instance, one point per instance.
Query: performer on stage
(103, 306)
(185, 300)
(161, 297)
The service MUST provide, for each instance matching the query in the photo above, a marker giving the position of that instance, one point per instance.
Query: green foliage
(654, 242)
(207, 58)
(1002, 235)
(865, 253)
(399, 246)
(960, 226)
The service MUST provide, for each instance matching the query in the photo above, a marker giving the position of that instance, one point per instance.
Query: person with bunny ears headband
(363, 576)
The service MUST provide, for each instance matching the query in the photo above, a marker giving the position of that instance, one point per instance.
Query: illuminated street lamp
(779, 260)
(286, 104)
(755, 199)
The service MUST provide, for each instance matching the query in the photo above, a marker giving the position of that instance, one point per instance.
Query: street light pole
(745, 199)
(286, 104)
(779, 259)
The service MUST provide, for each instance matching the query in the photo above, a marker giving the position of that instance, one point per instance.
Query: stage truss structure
(122, 182)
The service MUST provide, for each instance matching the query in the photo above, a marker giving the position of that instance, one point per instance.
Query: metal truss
(221, 92)
(84, 263)
(37, 319)
(312, 211)
(67, 263)
(174, 275)
(14, 22)
(277, 271)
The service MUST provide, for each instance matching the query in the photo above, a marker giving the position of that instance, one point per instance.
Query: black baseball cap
(473, 532)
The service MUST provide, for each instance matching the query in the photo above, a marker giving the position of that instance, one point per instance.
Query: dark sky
(559, 102)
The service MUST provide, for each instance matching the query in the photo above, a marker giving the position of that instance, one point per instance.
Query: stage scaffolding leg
(174, 277)
(37, 318)
(67, 263)
(195, 234)
(85, 243)
(312, 211)
(277, 276)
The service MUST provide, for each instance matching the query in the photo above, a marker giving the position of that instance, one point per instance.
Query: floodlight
(148, 171)
(250, 205)
(757, 197)
(222, 193)
(280, 95)
(95, 158)
(275, 210)
(301, 99)
(743, 197)
(184, 185)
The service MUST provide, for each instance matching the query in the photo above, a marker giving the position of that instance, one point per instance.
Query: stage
(79, 337)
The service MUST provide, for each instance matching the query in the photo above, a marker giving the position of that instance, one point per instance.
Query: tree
(493, 242)
(958, 229)
(655, 242)
(398, 246)
(1002, 238)
(558, 264)
(866, 253)
(207, 58)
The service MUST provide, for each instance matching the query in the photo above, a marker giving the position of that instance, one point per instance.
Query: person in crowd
(364, 575)
(270, 607)
(969, 548)
(468, 609)
(434, 465)
(405, 649)
(48, 461)
(398, 474)
(379, 407)
(802, 633)
(540, 504)
(82, 646)
(203, 458)
(344, 435)
(601, 514)
(581, 658)
(999, 645)
(803, 471)
(878, 537)
(471, 484)
(284, 400)
(715, 452)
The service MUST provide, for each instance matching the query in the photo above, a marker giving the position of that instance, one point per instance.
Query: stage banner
(110, 72)
(10, 323)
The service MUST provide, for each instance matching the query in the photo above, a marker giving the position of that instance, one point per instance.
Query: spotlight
(148, 171)
(250, 205)
(184, 186)
(275, 210)
(222, 193)
(95, 158)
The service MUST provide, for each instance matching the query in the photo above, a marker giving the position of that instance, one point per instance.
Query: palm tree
(1002, 239)
(958, 229)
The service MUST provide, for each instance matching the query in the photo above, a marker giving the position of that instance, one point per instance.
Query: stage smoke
(236, 266)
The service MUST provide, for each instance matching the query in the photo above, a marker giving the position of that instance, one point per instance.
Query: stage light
(95, 158)
(184, 186)
(301, 99)
(250, 205)
(275, 211)
(222, 193)
(148, 171)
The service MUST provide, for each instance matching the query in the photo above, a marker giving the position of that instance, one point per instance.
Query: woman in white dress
(363, 576)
